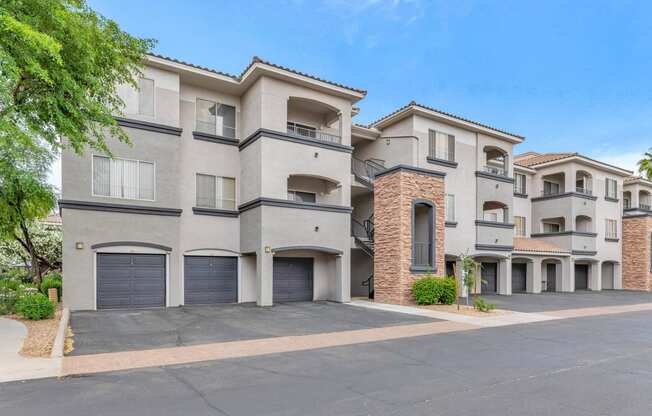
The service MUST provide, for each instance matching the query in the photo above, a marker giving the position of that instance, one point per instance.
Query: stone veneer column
(635, 270)
(394, 193)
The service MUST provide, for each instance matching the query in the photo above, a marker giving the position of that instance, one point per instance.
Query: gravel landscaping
(40, 335)
(464, 310)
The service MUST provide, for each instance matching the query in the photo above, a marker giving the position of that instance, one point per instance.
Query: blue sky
(570, 76)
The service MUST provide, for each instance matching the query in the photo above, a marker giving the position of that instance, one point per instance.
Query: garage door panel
(519, 273)
(130, 280)
(581, 276)
(293, 279)
(210, 279)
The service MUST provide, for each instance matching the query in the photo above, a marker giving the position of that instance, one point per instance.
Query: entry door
(551, 277)
(489, 276)
(608, 276)
(519, 273)
(581, 276)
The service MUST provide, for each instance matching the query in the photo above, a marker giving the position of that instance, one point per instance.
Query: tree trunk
(36, 265)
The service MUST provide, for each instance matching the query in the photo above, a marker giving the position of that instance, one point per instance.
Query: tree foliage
(60, 66)
(645, 164)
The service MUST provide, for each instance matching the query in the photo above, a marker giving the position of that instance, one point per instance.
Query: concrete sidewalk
(14, 366)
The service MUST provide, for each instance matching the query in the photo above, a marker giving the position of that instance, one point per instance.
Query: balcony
(577, 242)
(584, 191)
(495, 170)
(298, 130)
(494, 235)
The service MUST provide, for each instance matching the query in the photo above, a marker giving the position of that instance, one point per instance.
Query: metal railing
(644, 206)
(495, 170)
(313, 134)
(365, 169)
(370, 286)
(422, 254)
(552, 192)
(584, 191)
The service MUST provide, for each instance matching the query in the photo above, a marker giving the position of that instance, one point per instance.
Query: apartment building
(259, 188)
(637, 234)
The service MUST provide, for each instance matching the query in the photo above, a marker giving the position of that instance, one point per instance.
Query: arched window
(423, 235)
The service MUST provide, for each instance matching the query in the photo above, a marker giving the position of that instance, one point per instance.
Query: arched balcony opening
(314, 120)
(423, 236)
(495, 211)
(314, 190)
(627, 199)
(496, 161)
(553, 184)
(553, 225)
(644, 200)
(583, 182)
(583, 224)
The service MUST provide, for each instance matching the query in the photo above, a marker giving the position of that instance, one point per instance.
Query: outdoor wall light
(387, 141)
(316, 155)
(268, 249)
(316, 228)
(79, 245)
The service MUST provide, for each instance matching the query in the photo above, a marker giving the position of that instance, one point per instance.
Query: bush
(10, 284)
(8, 298)
(51, 282)
(432, 290)
(483, 306)
(53, 275)
(16, 273)
(34, 306)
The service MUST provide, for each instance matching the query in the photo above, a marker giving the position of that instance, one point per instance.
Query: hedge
(433, 290)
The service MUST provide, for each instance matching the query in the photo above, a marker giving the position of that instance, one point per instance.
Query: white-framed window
(519, 226)
(215, 192)
(611, 188)
(450, 207)
(215, 118)
(611, 228)
(123, 178)
(519, 184)
(441, 145)
(146, 97)
(301, 196)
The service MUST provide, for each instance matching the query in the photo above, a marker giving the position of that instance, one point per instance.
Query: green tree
(47, 240)
(60, 66)
(469, 275)
(25, 197)
(645, 164)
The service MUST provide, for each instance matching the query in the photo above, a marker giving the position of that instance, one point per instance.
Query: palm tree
(645, 164)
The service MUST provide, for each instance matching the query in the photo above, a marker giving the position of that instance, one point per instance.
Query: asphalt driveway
(124, 330)
(552, 301)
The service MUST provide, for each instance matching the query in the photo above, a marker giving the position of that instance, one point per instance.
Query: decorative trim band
(583, 253)
(411, 169)
(487, 175)
(146, 125)
(124, 208)
(642, 215)
(494, 224)
(131, 243)
(564, 195)
(294, 139)
(493, 247)
(215, 212)
(442, 162)
(422, 269)
(284, 203)
(450, 224)
(612, 240)
(517, 195)
(562, 233)
(610, 199)
(213, 138)
(321, 249)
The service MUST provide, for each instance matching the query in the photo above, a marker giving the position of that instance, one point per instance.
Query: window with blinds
(441, 146)
(450, 207)
(611, 229)
(146, 97)
(123, 178)
(519, 184)
(519, 226)
(215, 118)
(611, 188)
(215, 192)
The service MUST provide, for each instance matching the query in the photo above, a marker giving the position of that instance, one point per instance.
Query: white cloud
(625, 160)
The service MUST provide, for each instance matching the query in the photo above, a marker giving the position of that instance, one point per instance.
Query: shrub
(10, 284)
(432, 290)
(34, 306)
(53, 275)
(8, 298)
(51, 282)
(16, 273)
(483, 306)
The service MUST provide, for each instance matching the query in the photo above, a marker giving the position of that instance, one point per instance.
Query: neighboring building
(637, 234)
(258, 188)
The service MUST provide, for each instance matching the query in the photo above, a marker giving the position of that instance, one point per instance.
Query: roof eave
(586, 161)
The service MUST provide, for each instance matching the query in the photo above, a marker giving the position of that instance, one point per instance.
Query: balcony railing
(584, 191)
(643, 206)
(313, 134)
(365, 169)
(495, 170)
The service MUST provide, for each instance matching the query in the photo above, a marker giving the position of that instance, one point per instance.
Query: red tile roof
(536, 245)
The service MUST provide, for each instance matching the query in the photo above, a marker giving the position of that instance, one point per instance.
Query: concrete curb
(60, 339)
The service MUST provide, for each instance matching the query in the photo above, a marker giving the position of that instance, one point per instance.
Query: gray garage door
(130, 280)
(581, 276)
(489, 276)
(519, 272)
(293, 279)
(210, 280)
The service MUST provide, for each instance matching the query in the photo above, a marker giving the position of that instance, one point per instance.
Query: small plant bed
(464, 310)
(40, 334)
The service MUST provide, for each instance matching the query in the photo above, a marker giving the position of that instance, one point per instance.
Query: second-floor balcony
(296, 129)
(495, 170)
(585, 191)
